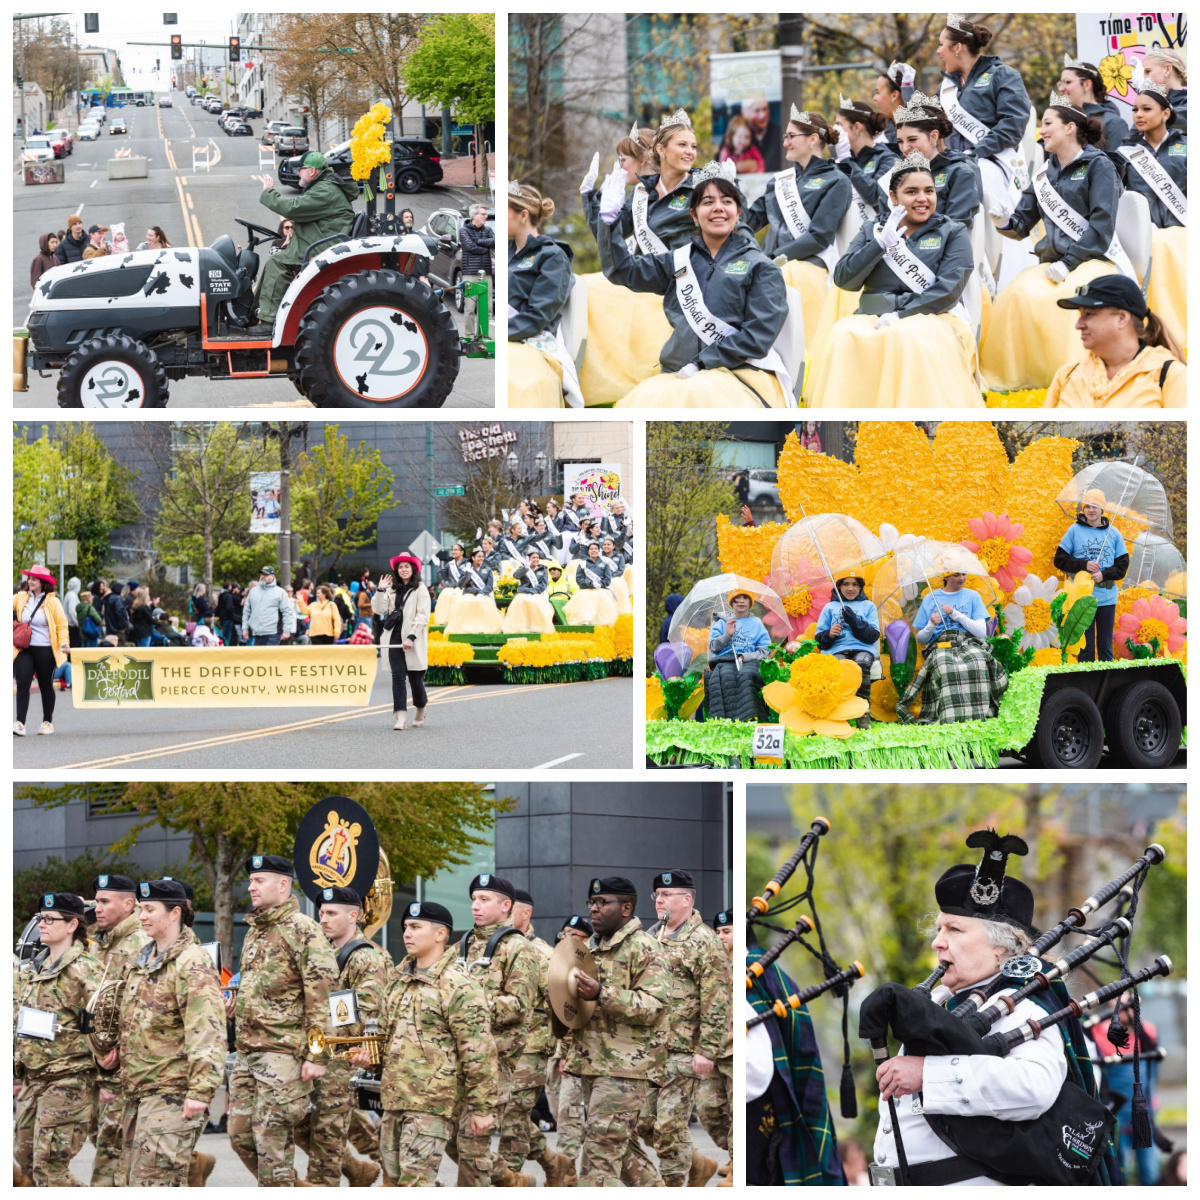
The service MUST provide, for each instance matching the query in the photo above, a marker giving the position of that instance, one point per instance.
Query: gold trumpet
(344, 1047)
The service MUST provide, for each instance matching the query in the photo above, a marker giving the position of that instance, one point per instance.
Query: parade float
(907, 510)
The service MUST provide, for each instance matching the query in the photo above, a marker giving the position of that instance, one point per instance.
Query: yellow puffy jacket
(1136, 385)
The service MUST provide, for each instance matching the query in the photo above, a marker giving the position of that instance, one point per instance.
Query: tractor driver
(324, 207)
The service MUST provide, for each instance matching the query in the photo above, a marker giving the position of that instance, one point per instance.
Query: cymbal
(570, 955)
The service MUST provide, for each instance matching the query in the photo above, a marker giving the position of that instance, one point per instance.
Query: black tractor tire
(334, 328)
(409, 181)
(1069, 734)
(127, 372)
(1144, 726)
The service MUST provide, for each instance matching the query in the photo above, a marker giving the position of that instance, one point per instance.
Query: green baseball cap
(313, 159)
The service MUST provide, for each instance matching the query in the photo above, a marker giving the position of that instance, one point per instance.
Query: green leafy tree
(338, 494)
(68, 486)
(685, 491)
(453, 65)
(424, 827)
(1162, 908)
(54, 874)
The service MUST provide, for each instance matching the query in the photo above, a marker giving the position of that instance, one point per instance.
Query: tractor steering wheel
(269, 235)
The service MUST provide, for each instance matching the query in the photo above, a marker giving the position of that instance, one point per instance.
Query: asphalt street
(193, 207)
(466, 727)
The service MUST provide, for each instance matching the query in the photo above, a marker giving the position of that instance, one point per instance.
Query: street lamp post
(285, 431)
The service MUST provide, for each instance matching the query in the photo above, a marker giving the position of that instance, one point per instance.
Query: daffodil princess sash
(455, 574)
(1149, 168)
(1011, 159)
(710, 328)
(648, 242)
(795, 215)
(866, 212)
(597, 582)
(915, 274)
(473, 576)
(1056, 209)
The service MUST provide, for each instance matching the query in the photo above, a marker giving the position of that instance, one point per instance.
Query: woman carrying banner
(404, 611)
(803, 207)
(40, 644)
(593, 604)
(910, 343)
(541, 374)
(726, 301)
(1168, 69)
(1156, 151)
(475, 610)
(1074, 196)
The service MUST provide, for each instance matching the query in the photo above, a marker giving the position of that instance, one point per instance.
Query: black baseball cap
(275, 863)
(1109, 291)
(267, 570)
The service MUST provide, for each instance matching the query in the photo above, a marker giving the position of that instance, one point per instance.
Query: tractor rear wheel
(377, 339)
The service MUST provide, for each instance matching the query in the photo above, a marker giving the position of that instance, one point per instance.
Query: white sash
(1054, 207)
(555, 346)
(1153, 172)
(866, 212)
(512, 550)
(583, 566)
(916, 275)
(475, 578)
(1011, 160)
(453, 567)
(647, 240)
(795, 215)
(710, 328)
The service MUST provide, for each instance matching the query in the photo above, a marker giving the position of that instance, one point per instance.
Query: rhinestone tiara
(1057, 101)
(678, 117)
(802, 118)
(714, 170)
(915, 161)
(959, 22)
(1157, 89)
(907, 114)
(633, 133)
(1078, 64)
(514, 188)
(919, 100)
(853, 105)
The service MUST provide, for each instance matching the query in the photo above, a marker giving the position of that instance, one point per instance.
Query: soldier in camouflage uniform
(564, 1093)
(440, 1057)
(520, 1138)
(701, 995)
(510, 982)
(364, 969)
(287, 973)
(171, 1043)
(620, 1048)
(53, 1080)
(714, 1098)
(117, 939)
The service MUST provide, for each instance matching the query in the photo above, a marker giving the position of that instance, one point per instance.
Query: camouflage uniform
(58, 1077)
(701, 996)
(618, 1050)
(440, 1059)
(114, 950)
(172, 1041)
(323, 1130)
(510, 984)
(714, 1099)
(288, 971)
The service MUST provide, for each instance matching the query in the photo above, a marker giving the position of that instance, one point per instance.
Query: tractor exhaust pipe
(20, 370)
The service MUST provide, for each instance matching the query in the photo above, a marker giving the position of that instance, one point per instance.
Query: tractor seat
(359, 228)
(225, 247)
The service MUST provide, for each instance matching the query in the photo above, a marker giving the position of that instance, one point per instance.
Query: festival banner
(242, 676)
(1116, 41)
(599, 482)
(265, 488)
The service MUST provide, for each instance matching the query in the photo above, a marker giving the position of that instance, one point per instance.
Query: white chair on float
(1135, 231)
(575, 321)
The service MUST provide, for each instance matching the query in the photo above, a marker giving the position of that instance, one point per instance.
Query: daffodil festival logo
(120, 678)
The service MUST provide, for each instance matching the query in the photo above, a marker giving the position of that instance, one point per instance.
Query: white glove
(1000, 212)
(841, 148)
(1139, 76)
(780, 260)
(589, 180)
(889, 235)
(887, 319)
(687, 371)
(612, 194)
(1057, 272)
(478, 532)
(512, 312)
(908, 75)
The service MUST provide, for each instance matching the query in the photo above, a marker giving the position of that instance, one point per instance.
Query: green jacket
(325, 207)
(172, 1032)
(61, 987)
(701, 988)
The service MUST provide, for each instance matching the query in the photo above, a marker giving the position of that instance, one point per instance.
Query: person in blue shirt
(732, 684)
(742, 636)
(850, 629)
(1094, 546)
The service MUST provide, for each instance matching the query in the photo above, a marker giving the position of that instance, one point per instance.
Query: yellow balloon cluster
(368, 150)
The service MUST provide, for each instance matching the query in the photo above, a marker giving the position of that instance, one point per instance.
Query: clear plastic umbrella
(896, 591)
(825, 547)
(708, 600)
(1128, 492)
(1155, 562)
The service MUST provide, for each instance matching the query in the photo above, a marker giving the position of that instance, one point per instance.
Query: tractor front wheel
(113, 371)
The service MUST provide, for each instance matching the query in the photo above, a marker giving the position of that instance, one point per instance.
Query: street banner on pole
(264, 502)
(243, 676)
(599, 482)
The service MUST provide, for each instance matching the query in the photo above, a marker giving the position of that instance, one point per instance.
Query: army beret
(113, 883)
(427, 910)
(678, 879)
(188, 890)
(63, 902)
(577, 922)
(341, 895)
(276, 864)
(616, 885)
(162, 889)
(722, 919)
(492, 883)
(523, 896)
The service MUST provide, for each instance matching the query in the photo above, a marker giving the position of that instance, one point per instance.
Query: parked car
(89, 131)
(62, 142)
(117, 125)
(445, 261)
(212, 104)
(39, 148)
(239, 129)
(416, 164)
(764, 486)
(273, 127)
(164, 102)
(292, 140)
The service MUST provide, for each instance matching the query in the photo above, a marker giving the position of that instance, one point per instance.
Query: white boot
(400, 719)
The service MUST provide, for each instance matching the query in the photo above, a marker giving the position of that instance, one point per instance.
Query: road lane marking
(554, 762)
(217, 148)
(196, 227)
(94, 182)
(182, 204)
(215, 741)
(189, 200)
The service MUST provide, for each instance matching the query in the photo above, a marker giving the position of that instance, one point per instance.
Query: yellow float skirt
(591, 607)
(474, 614)
(625, 336)
(534, 378)
(718, 388)
(1167, 294)
(528, 614)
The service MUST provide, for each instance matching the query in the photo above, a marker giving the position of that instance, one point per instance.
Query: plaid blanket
(960, 680)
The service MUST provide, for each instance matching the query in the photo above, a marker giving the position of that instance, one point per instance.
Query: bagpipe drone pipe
(1068, 1143)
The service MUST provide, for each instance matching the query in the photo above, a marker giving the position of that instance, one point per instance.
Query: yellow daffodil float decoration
(368, 149)
(819, 696)
(1115, 73)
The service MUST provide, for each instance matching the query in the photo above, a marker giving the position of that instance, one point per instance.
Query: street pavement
(565, 726)
(192, 208)
(229, 1171)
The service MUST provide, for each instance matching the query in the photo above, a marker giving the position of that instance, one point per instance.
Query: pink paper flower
(995, 544)
(803, 603)
(1152, 618)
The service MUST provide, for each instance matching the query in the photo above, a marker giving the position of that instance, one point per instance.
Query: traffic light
(91, 22)
(235, 49)
(158, 64)
(176, 46)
